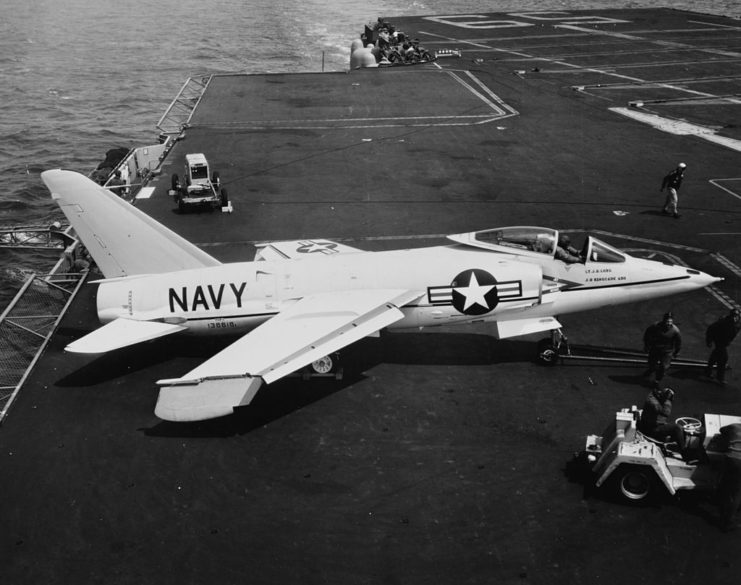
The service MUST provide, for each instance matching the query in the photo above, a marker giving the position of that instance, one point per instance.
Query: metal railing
(26, 326)
(53, 236)
(177, 116)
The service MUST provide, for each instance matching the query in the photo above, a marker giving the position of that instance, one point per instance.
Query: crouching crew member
(654, 420)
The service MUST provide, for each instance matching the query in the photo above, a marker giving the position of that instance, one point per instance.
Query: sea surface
(79, 77)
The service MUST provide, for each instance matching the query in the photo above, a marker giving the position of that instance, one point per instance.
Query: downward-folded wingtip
(193, 400)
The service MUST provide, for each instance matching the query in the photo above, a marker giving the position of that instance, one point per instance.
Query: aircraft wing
(301, 249)
(121, 333)
(313, 327)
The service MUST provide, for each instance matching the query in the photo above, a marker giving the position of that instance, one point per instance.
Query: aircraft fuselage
(456, 284)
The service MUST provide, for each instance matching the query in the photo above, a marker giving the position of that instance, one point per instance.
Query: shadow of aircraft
(292, 393)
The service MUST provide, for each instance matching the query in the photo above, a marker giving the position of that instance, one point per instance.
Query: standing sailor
(672, 182)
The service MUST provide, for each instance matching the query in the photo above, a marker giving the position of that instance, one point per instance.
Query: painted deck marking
(716, 183)
(466, 79)
(679, 128)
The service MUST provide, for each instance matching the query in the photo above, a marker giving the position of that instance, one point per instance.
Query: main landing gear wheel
(323, 365)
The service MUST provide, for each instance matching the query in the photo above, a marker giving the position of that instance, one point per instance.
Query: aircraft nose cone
(701, 278)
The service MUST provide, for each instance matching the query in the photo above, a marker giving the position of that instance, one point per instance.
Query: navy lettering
(181, 301)
(238, 292)
(199, 298)
(216, 299)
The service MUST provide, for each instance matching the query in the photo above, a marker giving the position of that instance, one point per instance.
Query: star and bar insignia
(474, 292)
(314, 246)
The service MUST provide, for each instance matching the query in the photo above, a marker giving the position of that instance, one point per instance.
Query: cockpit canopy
(536, 242)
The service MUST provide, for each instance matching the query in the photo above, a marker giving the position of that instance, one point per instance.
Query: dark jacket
(656, 412)
(731, 439)
(722, 332)
(656, 338)
(673, 180)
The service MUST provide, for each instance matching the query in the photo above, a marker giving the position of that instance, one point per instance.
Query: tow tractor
(638, 468)
(199, 190)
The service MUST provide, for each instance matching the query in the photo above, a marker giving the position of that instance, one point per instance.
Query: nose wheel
(551, 348)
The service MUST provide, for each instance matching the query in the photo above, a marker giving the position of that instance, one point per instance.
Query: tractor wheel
(547, 352)
(635, 484)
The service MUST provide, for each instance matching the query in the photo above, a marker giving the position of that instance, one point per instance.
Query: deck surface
(442, 456)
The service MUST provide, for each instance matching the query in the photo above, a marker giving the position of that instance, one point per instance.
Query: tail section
(122, 240)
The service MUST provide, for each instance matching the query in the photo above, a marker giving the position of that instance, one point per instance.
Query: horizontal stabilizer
(204, 399)
(121, 333)
(525, 326)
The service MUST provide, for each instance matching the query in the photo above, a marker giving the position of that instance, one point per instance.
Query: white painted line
(727, 263)
(678, 127)
(647, 241)
(475, 93)
(499, 110)
(722, 297)
(494, 96)
(714, 291)
(145, 193)
(716, 182)
(634, 37)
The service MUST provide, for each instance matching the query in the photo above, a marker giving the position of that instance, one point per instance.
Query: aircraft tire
(224, 198)
(323, 365)
(547, 352)
(175, 182)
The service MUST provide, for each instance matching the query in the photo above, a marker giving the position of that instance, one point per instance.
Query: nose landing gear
(550, 349)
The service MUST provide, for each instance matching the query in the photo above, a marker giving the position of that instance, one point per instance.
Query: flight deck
(442, 455)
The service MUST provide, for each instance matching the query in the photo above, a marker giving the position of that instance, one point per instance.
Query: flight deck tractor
(637, 468)
(201, 189)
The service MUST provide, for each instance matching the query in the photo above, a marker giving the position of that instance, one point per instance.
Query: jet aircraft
(299, 301)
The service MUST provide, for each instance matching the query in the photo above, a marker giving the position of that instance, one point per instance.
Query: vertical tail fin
(122, 240)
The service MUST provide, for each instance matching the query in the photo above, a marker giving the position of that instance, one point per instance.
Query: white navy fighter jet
(299, 301)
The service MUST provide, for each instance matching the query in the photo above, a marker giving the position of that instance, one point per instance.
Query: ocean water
(79, 77)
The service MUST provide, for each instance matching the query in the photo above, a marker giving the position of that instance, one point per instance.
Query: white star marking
(311, 247)
(474, 292)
